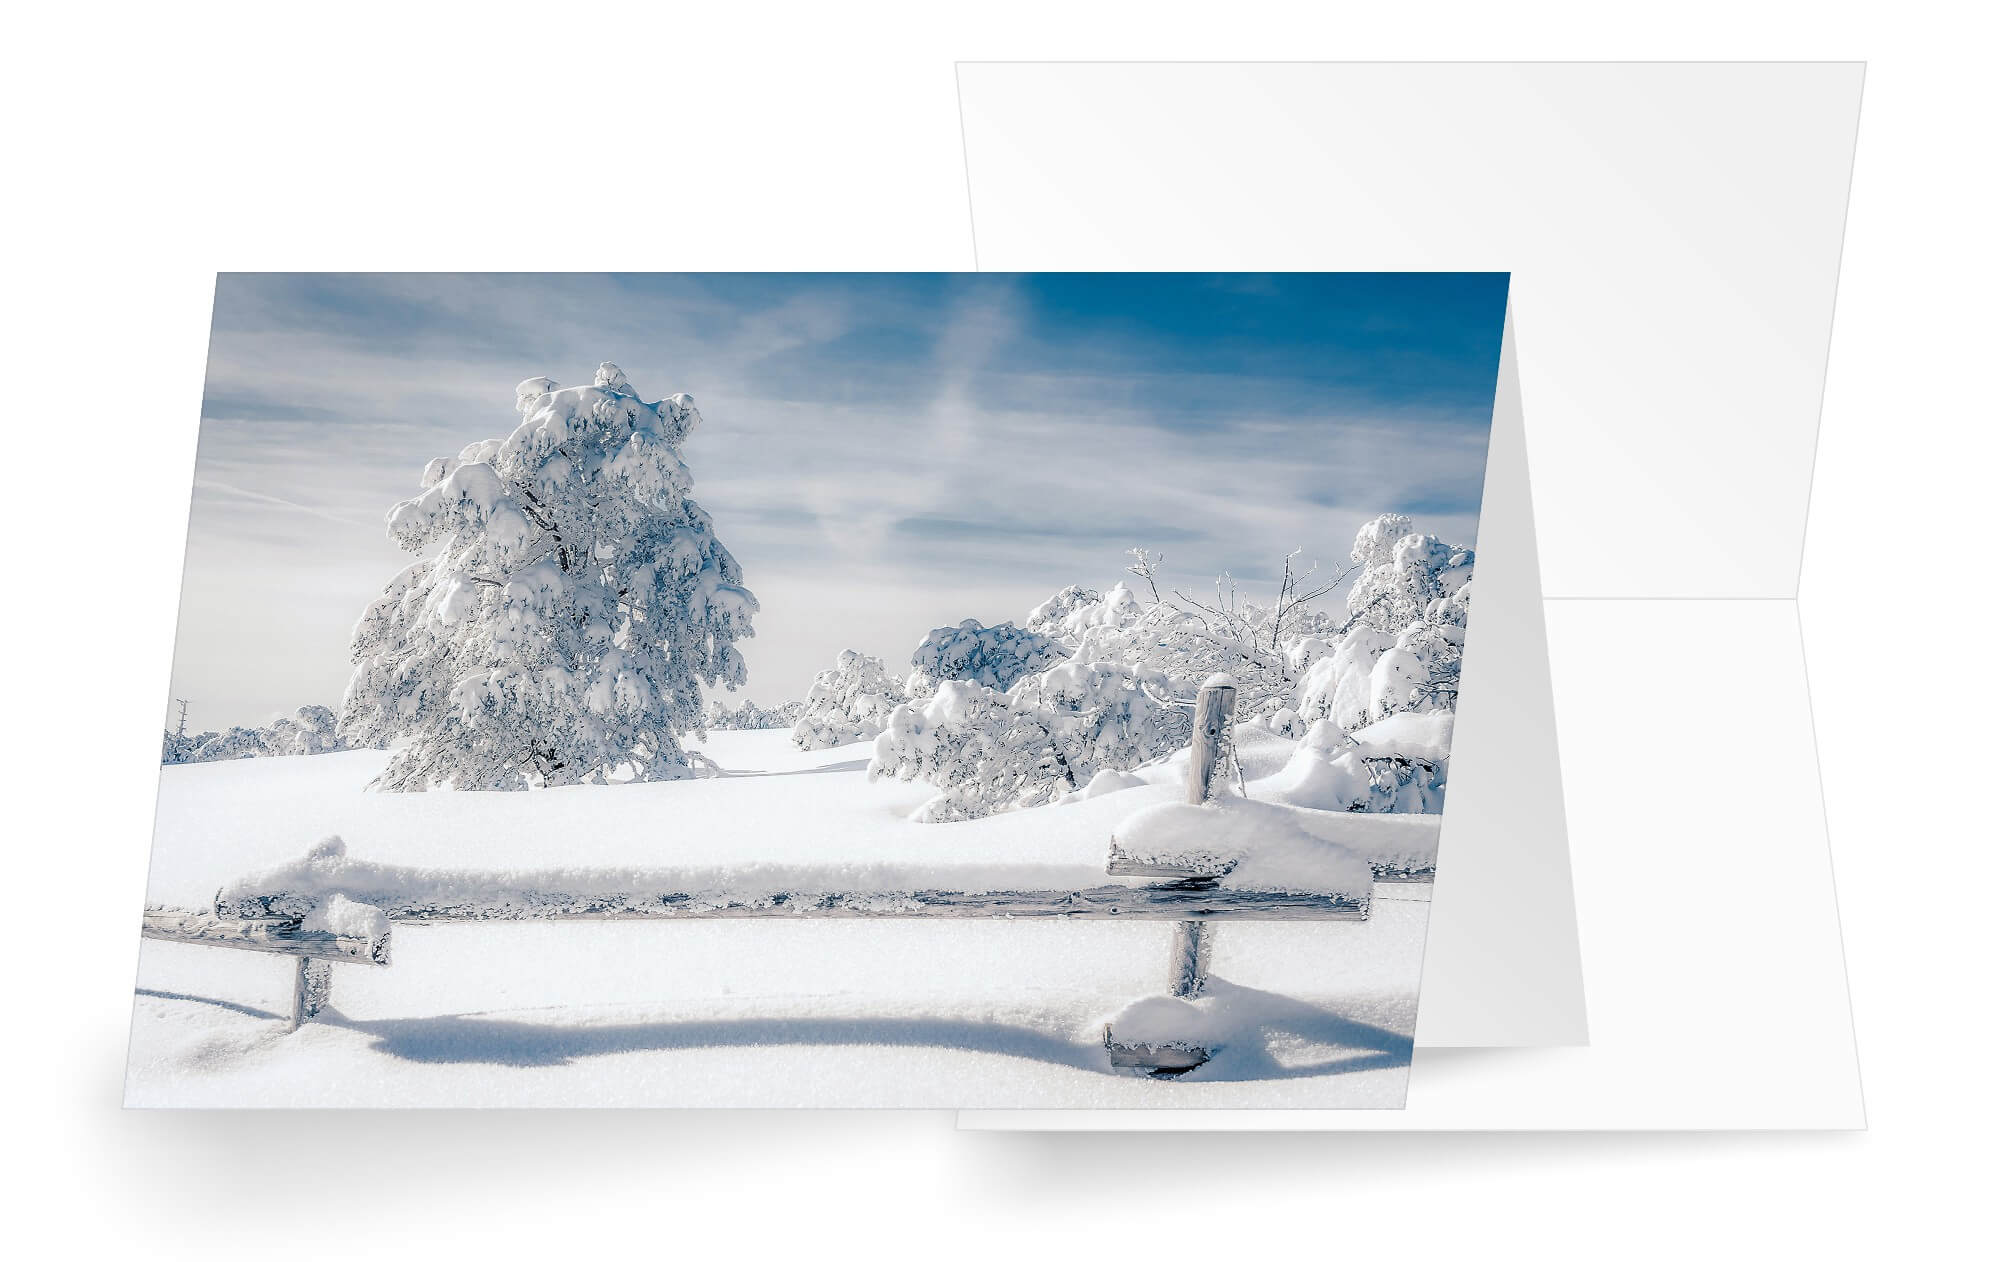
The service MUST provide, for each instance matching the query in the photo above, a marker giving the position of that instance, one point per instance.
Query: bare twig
(1146, 566)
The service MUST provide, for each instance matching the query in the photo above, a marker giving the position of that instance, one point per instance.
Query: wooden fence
(1194, 899)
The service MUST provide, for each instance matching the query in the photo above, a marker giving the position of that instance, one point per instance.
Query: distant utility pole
(182, 729)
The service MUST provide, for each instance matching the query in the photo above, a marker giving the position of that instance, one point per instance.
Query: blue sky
(884, 453)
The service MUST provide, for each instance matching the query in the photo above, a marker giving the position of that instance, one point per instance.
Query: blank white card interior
(1673, 233)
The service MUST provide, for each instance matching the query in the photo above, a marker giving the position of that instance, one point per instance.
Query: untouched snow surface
(978, 1013)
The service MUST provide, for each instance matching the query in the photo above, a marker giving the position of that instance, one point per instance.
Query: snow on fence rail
(1195, 863)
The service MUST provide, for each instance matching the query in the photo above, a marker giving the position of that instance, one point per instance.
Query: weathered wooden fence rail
(1193, 897)
(1103, 902)
(284, 936)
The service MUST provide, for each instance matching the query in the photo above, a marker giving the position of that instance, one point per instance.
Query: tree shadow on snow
(858, 764)
(1340, 1044)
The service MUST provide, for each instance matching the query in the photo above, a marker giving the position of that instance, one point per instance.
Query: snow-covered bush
(751, 717)
(236, 742)
(1116, 610)
(1266, 647)
(849, 703)
(312, 730)
(1047, 618)
(575, 602)
(995, 656)
(178, 747)
(1401, 652)
(1396, 766)
(1339, 686)
(1134, 663)
(1051, 734)
(1180, 645)
(1401, 574)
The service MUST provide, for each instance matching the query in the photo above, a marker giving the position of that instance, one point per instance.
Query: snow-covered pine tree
(849, 703)
(576, 601)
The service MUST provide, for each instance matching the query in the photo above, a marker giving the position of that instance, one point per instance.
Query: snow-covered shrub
(1406, 638)
(237, 742)
(1266, 647)
(1104, 716)
(1181, 645)
(1301, 654)
(176, 747)
(849, 703)
(1136, 661)
(1116, 610)
(576, 602)
(311, 730)
(1047, 618)
(314, 729)
(1397, 766)
(1402, 574)
(1338, 686)
(995, 656)
(1051, 734)
(751, 717)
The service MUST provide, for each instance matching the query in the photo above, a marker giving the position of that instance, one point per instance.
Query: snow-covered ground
(936, 1013)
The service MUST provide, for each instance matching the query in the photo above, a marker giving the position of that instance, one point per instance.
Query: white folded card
(1673, 232)
(638, 783)
(1634, 920)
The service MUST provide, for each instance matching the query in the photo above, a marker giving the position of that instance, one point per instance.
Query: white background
(150, 147)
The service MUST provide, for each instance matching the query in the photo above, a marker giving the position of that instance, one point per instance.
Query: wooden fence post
(1194, 940)
(1214, 707)
(312, 986)
(1187, 970)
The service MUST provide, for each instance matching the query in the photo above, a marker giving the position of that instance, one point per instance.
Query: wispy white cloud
(214, 486)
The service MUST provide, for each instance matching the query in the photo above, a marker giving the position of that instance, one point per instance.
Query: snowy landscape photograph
(909, 690)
